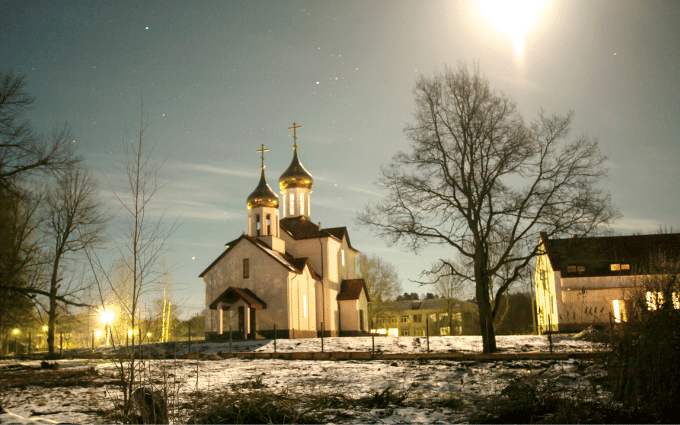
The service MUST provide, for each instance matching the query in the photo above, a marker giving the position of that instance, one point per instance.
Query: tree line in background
(55, 270)
(515, 312)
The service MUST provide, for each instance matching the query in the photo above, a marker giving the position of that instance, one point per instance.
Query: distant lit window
(625, 266)
(302, 203)
(619, 308)
(393, 319)
(444, 330)
(419, 332)
(571, 269)
(417, 318)
(654, 300)
(405, 332)
(291, 204)
(404, 319)
(433, 317)
(615, 267)
(581, 269)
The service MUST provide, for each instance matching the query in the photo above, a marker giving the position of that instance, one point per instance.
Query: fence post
(427, 331)
(61, 343)
(274, 339)
(372, 339)
(550, 341)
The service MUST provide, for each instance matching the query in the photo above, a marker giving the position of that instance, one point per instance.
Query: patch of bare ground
(22, 377)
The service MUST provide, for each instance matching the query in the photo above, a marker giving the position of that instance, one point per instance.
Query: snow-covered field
(421, 381)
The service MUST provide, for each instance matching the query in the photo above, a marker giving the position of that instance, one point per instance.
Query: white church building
(287, 274)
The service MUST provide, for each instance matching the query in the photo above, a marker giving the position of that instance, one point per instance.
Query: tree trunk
(52, 312)
(485, 309)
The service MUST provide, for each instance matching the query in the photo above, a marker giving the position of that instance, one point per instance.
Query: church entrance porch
(241, 305)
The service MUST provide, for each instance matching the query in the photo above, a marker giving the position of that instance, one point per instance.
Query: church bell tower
(296, 185)
(263, 213)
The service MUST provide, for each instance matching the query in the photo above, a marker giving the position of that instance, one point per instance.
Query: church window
(257, 225)
(291, 204)
(269, 224)
(302, 203)
(246, 268)
(304, 306)
(342, 256)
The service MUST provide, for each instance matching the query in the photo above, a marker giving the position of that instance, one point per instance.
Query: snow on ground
(467, 380)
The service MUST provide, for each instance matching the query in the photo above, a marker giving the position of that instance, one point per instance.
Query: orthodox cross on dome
(294, 127)
(263, 150)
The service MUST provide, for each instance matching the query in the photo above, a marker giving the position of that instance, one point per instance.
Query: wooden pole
(61, 343)
(427, 331)
(372, 339)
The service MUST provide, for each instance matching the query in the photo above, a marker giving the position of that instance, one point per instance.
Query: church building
(286, 273)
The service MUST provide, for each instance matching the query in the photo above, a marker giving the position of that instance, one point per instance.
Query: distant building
(589, 281)
(442, 317)
(289, 274)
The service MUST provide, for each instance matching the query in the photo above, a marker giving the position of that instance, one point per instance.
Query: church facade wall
(267, 279)
(302, 296)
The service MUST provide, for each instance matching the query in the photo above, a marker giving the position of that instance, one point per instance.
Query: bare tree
(22, 151)
(482, 182)
(140, 245)
(382, 282)
(75, 223)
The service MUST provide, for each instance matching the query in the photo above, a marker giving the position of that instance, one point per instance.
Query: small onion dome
(263, 196)
(295, 176)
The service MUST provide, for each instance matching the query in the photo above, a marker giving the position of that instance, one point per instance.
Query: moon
(515, 17)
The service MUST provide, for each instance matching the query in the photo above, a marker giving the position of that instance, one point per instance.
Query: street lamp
(16, 344)
(106, 318)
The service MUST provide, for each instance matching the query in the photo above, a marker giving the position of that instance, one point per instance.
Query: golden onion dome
(263, 196)
(296, 176)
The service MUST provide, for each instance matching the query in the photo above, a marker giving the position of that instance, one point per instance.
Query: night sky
(220, 78)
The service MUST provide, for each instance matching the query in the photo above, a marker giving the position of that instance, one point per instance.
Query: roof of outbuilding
(351, 290)
(597, 254)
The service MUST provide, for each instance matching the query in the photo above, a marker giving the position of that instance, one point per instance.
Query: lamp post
(106, 317)
(16, 343)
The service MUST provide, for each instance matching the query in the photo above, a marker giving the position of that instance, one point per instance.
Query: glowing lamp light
(98, 334)
(15, 331)
(44, 328)
(106, 316)
(130, 332)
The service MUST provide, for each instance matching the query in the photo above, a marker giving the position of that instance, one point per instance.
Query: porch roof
(233, 294)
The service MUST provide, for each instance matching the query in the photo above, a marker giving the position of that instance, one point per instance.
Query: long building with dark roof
(588, 281)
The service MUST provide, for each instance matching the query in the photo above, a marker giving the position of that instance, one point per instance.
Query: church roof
(302, 228)
(351, 290)
(296, 175)
(263, 195)
(293, 264)
(595, 255)
(233, 294)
